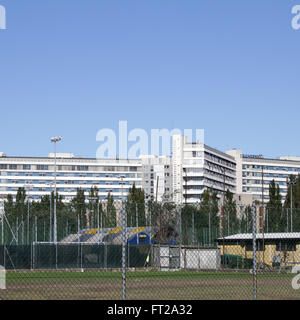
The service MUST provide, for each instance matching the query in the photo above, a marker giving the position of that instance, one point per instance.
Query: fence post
(137, 224)
(254, 252)
(56, 255)
(180, 237)
(128, 256)
(105, 255)
(124, 227)
(81, 256)
(2, 229)
(78, 254)
(209, 228)
(30, 256)
(4, 262)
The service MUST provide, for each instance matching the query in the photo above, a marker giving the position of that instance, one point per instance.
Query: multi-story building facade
(255, 173)
(193, 168)
(157, 177)
(36, 175)
(197, 167)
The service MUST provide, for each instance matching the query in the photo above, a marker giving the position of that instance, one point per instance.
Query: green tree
(231, 221)
(135, 207)
(20, 206)
(9, 219)
(93, 206)
(190, 221)
(79, 206)
(246, 220)
(208, 222)
(9, 206)
(274, 213)
(110, 214)
(291, 218)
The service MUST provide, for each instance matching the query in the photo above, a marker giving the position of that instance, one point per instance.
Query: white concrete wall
(203, 259)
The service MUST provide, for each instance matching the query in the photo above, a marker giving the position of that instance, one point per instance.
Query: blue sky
(71, 68)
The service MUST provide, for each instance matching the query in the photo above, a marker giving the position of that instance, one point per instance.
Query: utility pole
(50, 212)
(124, 242)
(223, 216)
(254, 252)
(137, 223)
(262, 216)
(50, 222)
(28, 187)
(55, 140)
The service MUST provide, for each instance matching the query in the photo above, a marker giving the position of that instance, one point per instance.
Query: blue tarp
(143, 237)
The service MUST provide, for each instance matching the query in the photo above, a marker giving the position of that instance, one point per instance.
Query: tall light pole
(28, 188)
(179, 191)
(50, 212)
(54, 140)
(124, 242)
(262, 214)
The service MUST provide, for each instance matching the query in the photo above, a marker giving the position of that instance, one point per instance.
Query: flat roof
(259, 236)
(117, 160)
(275, 160)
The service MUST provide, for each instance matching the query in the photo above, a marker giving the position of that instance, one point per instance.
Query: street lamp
(54, 140)
(50, 223)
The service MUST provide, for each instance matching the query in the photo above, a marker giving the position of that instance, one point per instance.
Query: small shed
(272, 248)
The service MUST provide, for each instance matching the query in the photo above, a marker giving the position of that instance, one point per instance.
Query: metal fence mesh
(155, 251)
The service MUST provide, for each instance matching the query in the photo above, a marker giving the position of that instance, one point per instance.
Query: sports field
(177, 285)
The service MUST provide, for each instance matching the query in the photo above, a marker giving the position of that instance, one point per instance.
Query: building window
(41, 167)
(82, 168)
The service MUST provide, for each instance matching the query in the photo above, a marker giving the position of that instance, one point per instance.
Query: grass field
(177, 285)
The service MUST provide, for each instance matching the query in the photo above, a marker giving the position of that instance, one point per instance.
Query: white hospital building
(182, 178)
(36, 174)
(254, 173)
(197, 167)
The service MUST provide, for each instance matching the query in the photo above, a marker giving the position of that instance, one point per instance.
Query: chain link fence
(155, 251)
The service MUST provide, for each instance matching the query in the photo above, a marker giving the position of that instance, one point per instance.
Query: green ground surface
(173, 285)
